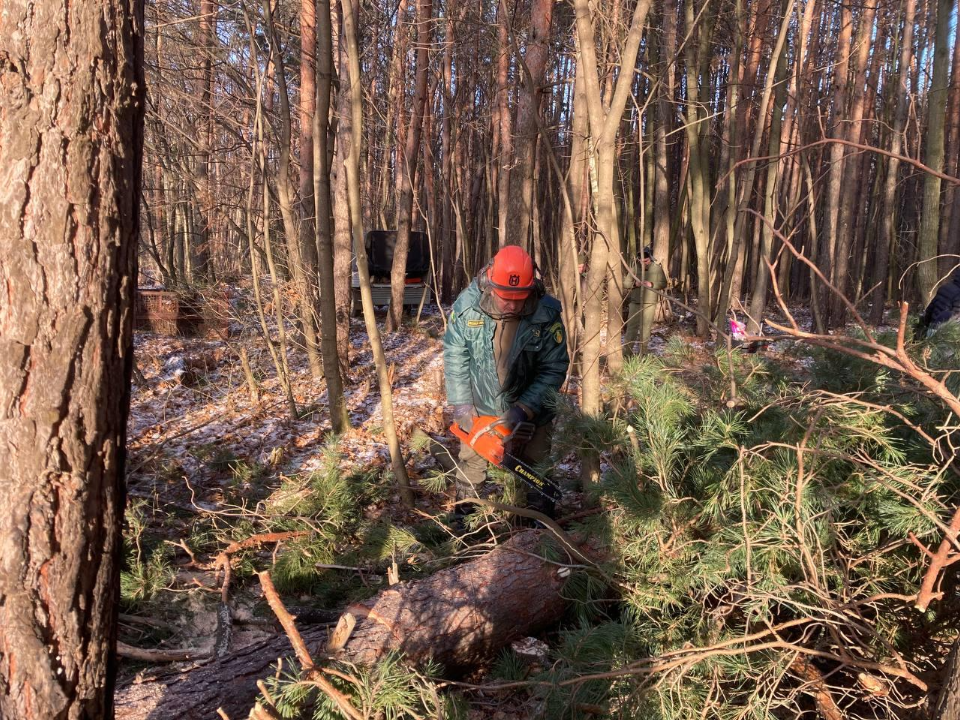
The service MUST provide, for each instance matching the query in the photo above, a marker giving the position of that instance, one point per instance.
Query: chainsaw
(488, 438)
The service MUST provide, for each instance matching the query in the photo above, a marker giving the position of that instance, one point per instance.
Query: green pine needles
(748, 541)
(389, 690)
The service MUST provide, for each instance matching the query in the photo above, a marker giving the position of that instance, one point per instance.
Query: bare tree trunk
(520, 199)
(502, 118)
(603, 124)
(202, 268)
(698, 181)
(448, 232)
(666, 117)
(570, 284)
(849, 205)
(68, 254)
(398, 272)
(394, 101)
(308, 109)
(761, 19)
(929, 233)
(888, 209)
(731, 135)
(342, 232)
(339, 418)
(828, 259)
(301, 270)
(278, 352)
(353, 187)
(758, 299)
(950, 227)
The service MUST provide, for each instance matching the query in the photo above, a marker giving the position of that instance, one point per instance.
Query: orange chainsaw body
(486, 438)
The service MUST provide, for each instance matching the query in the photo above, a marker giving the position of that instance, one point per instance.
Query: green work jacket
(537, 361)
(641, 295)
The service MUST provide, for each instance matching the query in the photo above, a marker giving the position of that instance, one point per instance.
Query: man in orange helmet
(505, 353)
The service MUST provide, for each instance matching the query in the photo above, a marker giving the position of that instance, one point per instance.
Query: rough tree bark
(71, 138)
(458, 617)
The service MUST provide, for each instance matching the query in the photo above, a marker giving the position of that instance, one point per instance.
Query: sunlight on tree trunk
(71, 124)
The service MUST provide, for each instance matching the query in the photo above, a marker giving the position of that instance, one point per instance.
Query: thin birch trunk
(353, 186)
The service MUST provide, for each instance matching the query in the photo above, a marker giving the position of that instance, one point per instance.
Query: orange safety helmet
(511, 273)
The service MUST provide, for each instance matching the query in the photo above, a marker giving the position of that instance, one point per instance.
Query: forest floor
(205, 460)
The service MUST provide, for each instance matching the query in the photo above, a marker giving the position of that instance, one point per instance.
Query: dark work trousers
(471, 468)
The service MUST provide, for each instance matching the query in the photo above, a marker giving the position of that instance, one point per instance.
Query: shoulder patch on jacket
(475, 323)
(557, 331)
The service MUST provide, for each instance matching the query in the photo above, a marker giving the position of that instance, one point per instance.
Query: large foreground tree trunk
(458, 617)
(71, 137)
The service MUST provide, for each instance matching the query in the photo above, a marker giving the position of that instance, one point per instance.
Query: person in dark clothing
(644, 298)
(944, 306)
(504, 352)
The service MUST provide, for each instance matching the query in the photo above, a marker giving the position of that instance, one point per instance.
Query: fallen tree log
(458, 617)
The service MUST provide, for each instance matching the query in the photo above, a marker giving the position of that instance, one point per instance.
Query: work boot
(461, 512)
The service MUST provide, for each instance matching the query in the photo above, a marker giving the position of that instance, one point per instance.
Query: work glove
(463, 416)
(515, 421)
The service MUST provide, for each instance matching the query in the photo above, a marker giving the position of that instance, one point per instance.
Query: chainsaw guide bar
(487, 437)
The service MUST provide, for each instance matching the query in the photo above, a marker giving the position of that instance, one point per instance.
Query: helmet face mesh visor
(491, 305)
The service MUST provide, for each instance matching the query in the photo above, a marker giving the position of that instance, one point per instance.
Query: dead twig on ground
(314, 674)
(158, 656)
(224, 617)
